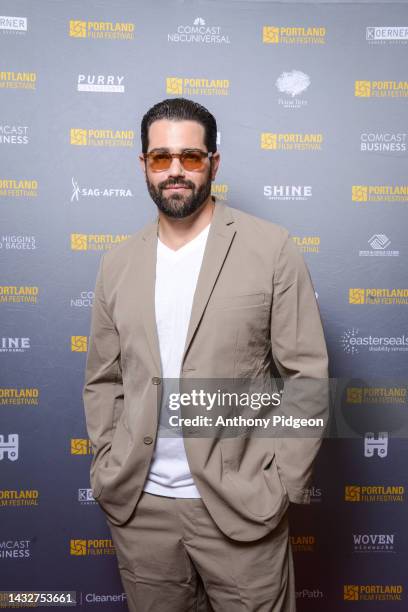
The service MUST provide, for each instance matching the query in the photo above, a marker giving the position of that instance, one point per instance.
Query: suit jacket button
(156, 380)
(147, 439)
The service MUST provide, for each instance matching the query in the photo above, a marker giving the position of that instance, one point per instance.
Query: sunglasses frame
(204, 154)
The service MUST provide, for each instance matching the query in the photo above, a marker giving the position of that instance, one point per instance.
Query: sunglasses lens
(160, 161)
(192, 160)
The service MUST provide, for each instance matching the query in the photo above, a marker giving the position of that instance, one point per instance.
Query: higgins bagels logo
(291, 141)
(18, 80)
(195, 86)
(96, 242)
(381, 89)
(80, 137)
(279, 35)
(13, 242)
(107, 30)
(353, 342)
(372, 592)
(379, 193)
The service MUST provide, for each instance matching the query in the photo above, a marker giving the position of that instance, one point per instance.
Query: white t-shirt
(176, 279)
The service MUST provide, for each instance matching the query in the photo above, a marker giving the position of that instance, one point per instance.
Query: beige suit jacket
(254, 308)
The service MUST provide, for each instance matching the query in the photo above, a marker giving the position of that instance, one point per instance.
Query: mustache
(171, 182)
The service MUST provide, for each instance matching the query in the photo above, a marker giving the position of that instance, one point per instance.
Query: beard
(177, 205)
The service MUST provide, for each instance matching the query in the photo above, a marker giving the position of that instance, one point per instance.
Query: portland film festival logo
(289, 35)
(197, 86)
(106, 30)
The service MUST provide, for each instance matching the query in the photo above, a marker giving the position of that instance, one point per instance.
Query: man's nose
(176, 168)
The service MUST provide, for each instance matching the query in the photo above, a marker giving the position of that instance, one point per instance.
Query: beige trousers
(173, 558)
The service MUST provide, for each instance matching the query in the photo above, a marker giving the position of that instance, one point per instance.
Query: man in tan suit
(204, 292)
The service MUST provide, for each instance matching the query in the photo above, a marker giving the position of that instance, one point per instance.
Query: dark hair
(181, 109)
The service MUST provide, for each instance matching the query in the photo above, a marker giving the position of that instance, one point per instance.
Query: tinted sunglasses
(192, 160)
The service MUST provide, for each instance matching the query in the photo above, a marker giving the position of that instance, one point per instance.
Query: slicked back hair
(181, 109)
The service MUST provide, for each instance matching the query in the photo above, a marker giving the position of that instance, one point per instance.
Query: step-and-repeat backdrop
(311, 102)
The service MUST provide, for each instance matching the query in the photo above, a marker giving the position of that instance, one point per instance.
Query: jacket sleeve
(300, 355)
(103, 390)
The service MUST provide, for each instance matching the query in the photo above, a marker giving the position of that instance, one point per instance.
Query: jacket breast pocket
(237, 301)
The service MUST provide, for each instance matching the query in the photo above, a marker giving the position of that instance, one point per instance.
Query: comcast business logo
(293, 84)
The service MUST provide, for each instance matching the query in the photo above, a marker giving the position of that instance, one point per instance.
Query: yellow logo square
(78, 547)
(79, 137)
(270, 34)
(352, 494)
(77, 29)
(79, 242)
(362, 89)
(269, 140)
(174, 86)
(350, 592)
(356, 296)
(79, 446)
(79, 344)
(354, 395)
(359, 193)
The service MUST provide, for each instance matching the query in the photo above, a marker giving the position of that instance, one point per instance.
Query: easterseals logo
(288, 192)
(20, 497)
(18, 80)
(15, 549)
(183, 86)
(83, 548)
(13, 25)
(18, 188)
(374, 296)
(387, 34)
(22, 294)
(353, 342)
(107, 30)
(373, 542)
(307, 244)
(81, 446)
(383, 142)
(275, 35)
(199, 32)
(303, 543)
(96, 242)
(381, 89)
(14, 345)
(372, 592)
(374, 493)
(101, 138)
(379, 193)
(291, 142)
(293, 84)
(19, 396)
(79, 344)
(220, 191)
(101, 83)
(379, 244)
(14, 134)
(90, 193)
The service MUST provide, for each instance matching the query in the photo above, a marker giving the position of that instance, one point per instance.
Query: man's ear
(142, 163)
(215, 162)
